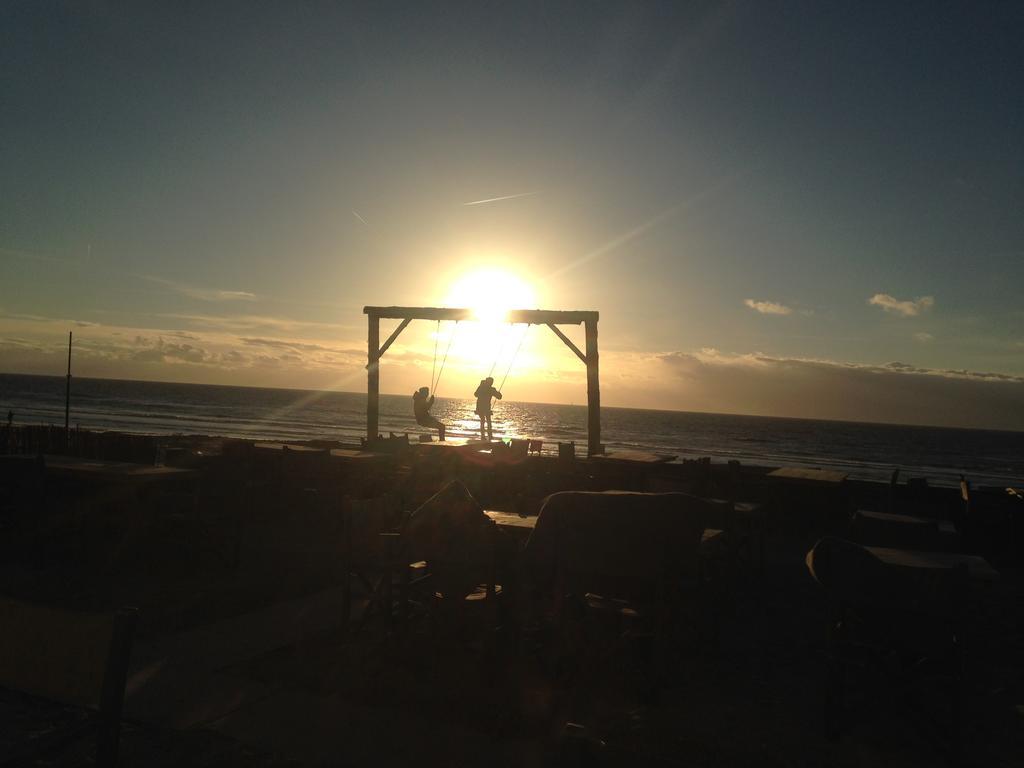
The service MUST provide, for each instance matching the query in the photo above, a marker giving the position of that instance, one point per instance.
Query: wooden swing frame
(551, 318)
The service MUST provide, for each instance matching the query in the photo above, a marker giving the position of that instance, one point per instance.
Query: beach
(233, 552)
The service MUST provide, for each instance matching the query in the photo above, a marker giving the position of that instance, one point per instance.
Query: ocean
(867, 451)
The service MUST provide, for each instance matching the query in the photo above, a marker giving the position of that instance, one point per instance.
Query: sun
(487, 344)
(491, 293)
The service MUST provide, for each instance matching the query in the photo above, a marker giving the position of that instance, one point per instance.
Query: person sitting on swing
(483, 396)
(422, 402)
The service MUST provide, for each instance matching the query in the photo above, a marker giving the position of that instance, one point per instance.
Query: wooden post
(114, 679)
(372, 376)
(67, 398)
(593, 391)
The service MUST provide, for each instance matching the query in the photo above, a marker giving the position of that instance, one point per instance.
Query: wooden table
(523, 526)
(110, 471)
(810, 501)
(356, 455)
(807, 474)
(308, 449)
(511, 522)
(118, 498)
(978, 568)
(944, 526)
(636, 457)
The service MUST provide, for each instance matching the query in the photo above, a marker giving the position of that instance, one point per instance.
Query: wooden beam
(568, 342)
(531, 316)
(372, 377)
(393, 336)
(594, 446)
(550, 318)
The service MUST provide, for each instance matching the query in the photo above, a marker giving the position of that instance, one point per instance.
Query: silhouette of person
(422, 402)
(483, 396)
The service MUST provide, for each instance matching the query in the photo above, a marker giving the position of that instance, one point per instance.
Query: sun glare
(487, 344)
(491, 293)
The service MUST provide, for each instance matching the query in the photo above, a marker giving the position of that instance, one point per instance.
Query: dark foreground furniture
(75, 659)
(900, 625)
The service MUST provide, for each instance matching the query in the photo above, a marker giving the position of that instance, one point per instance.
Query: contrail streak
(356, 214)
(506, 197)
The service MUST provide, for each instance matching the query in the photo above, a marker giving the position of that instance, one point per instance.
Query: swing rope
(514, 356)
(501, 348)
(433, 363)
(433, 384)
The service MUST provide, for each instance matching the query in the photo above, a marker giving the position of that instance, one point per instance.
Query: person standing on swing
(422, 402)
(483, 396)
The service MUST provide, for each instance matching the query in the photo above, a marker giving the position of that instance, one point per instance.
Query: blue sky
(813, 201)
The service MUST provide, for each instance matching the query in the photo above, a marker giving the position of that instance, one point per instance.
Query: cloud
(33, 344)
(711, 356)
(23, 345)
(293, 345)
(33, 318)
(904, 308)
(258, 324)
(768, 307)
(162, 351)
(42, 319)
(894, 392)
(923, 337)
(203, 294)
(308, 352)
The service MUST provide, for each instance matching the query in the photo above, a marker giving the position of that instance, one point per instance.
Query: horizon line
(528, 402)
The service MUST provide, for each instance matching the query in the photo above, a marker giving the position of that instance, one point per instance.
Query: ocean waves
(863, 450)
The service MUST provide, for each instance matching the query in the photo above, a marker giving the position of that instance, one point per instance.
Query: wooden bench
(76, 659)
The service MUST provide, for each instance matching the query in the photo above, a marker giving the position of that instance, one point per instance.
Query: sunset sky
(794, 209)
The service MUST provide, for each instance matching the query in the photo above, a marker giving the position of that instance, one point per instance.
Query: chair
(908, 626)
(224, 503)
(747, 520)
(623, 573)
(206, 517)
(895, 528)
(33, 524)
(71, 658)
(369, 552)
(966, 521)
(894, 479)
(22, 497)
(461, 548)
(303, 467)
(917, 496)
